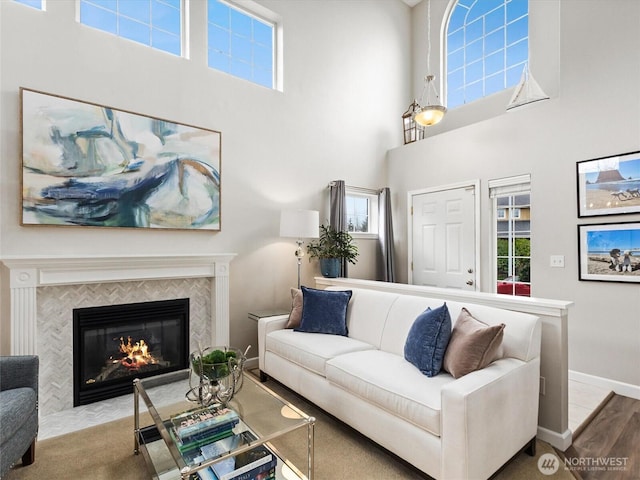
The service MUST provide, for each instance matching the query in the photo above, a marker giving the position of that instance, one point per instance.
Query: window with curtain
(362, 210)
(487, 48)
(512, 234)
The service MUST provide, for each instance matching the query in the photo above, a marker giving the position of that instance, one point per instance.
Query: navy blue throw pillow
(428, 339)
(324, 311)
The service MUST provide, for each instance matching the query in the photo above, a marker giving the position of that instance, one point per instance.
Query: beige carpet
(106, 453)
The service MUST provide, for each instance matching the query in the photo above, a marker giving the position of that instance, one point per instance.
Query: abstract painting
(85, 164)
(610, 252)
(609, 185)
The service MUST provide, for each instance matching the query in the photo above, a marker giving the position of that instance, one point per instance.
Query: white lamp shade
(527, 91)
(300, 223)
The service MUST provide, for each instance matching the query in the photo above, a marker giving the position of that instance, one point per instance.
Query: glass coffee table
(262, 414)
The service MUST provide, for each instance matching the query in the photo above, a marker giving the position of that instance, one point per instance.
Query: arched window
(487, 47)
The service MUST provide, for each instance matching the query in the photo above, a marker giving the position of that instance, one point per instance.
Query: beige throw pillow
(473, 345)
(296, 309)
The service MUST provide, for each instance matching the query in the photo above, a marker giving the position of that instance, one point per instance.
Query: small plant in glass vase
(330, 248)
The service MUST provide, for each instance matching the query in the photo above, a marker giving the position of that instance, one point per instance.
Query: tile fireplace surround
(40, 293)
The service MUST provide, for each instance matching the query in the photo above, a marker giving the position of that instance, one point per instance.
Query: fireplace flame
(136, 354)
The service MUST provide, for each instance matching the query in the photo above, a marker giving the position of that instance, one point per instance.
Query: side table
(267, 312)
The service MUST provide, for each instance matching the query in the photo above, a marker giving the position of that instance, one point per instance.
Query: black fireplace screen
(114, 344)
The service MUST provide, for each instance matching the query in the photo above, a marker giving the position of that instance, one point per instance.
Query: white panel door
(443, 236)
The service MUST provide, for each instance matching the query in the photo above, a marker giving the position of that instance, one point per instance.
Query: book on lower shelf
(195, 422)
(256, 464)
(256, 474)
(268, 475)
(193, 443)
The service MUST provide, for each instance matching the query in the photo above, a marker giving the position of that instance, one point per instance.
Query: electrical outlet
(542, 385)
(557, 261)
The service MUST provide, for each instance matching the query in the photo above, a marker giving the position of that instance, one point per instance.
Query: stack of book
(195, 428)
(259, 463)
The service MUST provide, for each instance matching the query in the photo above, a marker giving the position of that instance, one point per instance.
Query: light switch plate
(557, 261)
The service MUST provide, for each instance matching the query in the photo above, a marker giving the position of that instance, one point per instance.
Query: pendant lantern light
(429, 111)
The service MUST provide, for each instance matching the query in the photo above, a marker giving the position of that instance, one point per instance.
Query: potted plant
(331, 247)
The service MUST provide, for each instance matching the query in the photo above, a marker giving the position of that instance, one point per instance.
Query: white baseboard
(251, 363)
(561, 441)
(621, 388)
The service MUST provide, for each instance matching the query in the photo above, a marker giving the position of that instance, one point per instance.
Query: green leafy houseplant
(333, 244)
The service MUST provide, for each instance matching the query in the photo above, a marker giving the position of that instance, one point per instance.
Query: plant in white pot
(330, 248)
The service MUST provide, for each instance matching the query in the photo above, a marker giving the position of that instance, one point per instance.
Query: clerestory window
(487, 48)
(241, 43)
(32, 3)
(155, 23)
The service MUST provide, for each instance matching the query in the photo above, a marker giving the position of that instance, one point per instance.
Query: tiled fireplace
(42, 293)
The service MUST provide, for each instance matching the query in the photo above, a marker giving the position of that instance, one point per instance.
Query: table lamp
(299, 224)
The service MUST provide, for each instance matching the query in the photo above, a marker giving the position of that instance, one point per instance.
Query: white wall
(348, 78)
(346, 66)
(593, 112)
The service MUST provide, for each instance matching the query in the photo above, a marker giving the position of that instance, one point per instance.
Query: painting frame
(609, 252)
(91, 165)
(609, 185)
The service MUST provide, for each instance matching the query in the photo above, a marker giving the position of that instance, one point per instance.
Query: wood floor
(608, 448)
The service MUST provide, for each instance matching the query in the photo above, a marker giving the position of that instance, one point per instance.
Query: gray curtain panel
(385, 236)
(338, 212)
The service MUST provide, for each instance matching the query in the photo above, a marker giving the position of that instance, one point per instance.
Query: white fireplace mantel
(26, 274)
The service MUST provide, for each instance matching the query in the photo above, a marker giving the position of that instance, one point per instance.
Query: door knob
(469, 282)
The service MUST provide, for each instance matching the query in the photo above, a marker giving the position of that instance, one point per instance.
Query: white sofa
(448, 428)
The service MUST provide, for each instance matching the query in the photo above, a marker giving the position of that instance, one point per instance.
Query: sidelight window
(512, 234)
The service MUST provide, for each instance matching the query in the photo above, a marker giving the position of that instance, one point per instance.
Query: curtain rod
(371, 191)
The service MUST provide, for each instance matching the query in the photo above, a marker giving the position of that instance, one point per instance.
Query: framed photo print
(610, 252)
(609, 185)
(85, 164)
